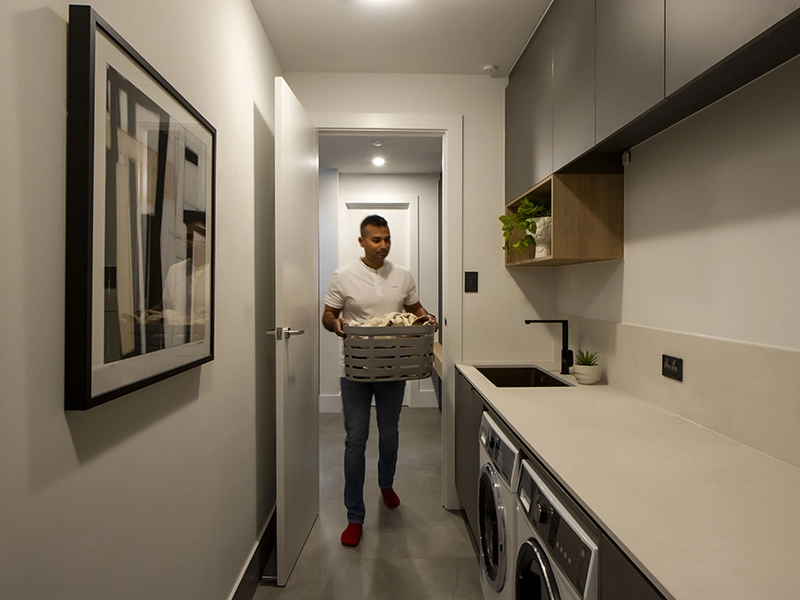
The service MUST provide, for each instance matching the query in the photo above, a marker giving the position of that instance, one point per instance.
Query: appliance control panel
(503, 454)
(567, 550)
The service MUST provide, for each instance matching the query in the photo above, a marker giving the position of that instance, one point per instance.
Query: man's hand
(338, 327)
(333, 322)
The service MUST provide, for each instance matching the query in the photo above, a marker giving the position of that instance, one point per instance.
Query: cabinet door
(701, 34)
(573, 79)
(619, 578)
(629, 61)
(468, 409)
(529, 115)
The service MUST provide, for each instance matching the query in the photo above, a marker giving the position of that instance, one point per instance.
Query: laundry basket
(388, 353)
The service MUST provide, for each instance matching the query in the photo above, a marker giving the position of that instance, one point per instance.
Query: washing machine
(497, 514)
(557, 547)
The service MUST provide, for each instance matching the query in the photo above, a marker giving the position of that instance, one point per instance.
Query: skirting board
(250, 577)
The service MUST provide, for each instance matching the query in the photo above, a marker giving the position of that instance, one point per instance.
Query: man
(370, 287)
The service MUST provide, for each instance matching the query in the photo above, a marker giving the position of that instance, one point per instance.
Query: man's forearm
(328, 320)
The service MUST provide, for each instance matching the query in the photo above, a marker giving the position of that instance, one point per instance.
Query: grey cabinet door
(629, 61)
(573, 79)
(529, 115)
(619, 578)
(469, 407)
(701, 34)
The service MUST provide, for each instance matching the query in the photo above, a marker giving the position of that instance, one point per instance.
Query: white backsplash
(748, 392)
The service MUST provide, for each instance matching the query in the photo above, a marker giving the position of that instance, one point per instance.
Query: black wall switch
(672, 367)
(470, 281)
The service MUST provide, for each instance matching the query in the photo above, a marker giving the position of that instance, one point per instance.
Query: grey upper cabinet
(573, 79)
(629, 61)
(701, 34)
(529, 115)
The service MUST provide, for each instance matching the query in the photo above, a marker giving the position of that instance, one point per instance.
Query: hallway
(419, 551)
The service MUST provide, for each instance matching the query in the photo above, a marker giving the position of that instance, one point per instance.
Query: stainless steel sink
(520, 377)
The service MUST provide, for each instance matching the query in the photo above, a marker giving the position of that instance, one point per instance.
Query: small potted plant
(586, 369)
(535, 220)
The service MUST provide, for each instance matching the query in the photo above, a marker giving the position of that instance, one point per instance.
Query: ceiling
(403, 154)
(458, 37)
(399, 36)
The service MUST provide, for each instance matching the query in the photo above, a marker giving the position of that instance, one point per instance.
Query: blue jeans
(356, 400)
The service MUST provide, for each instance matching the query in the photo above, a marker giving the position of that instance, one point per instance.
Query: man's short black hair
(375, 221)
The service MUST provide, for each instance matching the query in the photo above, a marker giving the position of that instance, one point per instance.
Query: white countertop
(704, 516)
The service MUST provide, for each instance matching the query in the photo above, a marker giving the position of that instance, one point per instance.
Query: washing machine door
(492, 525)
(535, 577)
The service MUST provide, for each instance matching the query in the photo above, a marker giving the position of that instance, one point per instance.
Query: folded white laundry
(393, 319)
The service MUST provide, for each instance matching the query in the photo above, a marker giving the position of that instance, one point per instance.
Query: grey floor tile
(417, 551)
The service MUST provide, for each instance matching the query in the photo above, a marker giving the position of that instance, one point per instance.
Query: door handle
(279, 332)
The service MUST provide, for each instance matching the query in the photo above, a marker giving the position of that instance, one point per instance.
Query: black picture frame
(140, 199)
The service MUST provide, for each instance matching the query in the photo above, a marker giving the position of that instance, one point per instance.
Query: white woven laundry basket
(388, 353)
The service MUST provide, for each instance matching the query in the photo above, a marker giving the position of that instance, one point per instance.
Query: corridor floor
(418, 551)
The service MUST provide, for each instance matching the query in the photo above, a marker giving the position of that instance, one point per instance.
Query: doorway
(450, 128)
(405, 191)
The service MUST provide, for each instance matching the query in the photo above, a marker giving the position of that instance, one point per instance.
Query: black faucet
(566, 353)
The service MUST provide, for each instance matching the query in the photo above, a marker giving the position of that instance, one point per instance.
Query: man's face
(376, 242)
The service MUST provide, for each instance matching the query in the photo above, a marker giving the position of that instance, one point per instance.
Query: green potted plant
(586, 368)
(535, 221)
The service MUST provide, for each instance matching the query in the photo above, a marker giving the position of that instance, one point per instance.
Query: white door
(296, 362)
(401, 211)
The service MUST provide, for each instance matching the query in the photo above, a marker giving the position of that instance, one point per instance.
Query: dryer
(557, 547)
(497, 501)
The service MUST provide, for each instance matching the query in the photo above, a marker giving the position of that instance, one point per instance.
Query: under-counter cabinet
(468, 411)
(629, 61)
(619, 579)
(702, 34)
(587, 220)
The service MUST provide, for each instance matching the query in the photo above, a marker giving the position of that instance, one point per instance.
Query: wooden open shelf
(587, 220)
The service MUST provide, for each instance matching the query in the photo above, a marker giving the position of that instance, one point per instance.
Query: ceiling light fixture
(378, 161)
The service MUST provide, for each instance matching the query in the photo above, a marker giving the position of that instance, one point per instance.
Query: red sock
(390, 499)
(352, 535)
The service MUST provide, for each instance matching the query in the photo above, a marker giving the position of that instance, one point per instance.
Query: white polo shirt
(363, 293)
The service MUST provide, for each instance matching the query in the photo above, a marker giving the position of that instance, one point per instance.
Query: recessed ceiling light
(378, 161)
(377, 143)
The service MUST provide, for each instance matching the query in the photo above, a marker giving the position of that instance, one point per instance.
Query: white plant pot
(543, 236)
(587, 374)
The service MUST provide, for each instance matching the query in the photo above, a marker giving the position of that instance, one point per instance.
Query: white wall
(712, 215)
(515, 295)
(160, 494)
(329, 345)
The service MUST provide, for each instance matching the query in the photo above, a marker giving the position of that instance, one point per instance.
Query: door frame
(451, 127)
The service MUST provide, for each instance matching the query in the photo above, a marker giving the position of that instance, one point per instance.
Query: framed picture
(140, 221)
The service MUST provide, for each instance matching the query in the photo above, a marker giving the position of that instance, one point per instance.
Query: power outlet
(672, 367)
(471, 281)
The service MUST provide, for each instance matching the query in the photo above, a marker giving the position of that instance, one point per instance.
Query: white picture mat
(108, 377)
